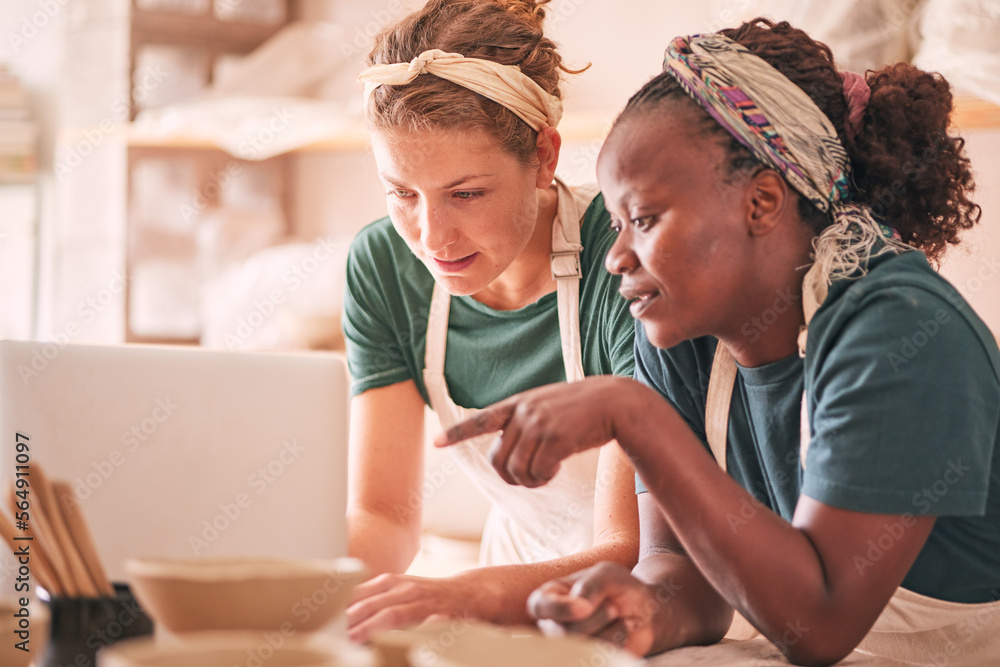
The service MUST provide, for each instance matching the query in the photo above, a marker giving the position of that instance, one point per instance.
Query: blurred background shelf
(973, 113)
(970, 113)
(574, 128)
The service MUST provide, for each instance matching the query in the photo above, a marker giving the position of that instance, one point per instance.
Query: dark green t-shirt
(491, 354)
(903, 385)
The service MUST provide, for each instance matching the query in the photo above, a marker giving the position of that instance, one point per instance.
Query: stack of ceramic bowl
(242, 611)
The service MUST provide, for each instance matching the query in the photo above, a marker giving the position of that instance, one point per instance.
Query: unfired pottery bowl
(243, 593)
(393, 646)
(475, 646)
(224, 649)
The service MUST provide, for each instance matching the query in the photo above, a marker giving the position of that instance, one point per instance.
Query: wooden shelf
(354, 137)
(18, 179)
(164, 27)
(575, 128)
(972, 113)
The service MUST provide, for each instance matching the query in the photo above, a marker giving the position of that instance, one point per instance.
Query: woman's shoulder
(377, 237)
(902, 305)
(595, 217)
(596, 234)
(907, 278)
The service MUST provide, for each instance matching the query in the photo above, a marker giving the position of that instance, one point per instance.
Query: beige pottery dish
(478, 648)
(393, 646)
(224, 649)
(243, 593)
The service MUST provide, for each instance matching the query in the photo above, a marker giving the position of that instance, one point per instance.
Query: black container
(83, 626)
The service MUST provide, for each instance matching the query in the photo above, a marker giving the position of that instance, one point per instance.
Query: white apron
(913, 628)
(527, 525)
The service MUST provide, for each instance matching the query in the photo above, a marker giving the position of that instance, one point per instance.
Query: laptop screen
(184, 452)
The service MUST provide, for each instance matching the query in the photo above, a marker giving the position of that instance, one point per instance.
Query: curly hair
(504, 31)
(906, 166)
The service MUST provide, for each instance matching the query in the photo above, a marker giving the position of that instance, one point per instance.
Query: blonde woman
(485, 279)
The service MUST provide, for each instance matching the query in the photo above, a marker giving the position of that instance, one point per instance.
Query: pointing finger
(500, 451)
(488, 420)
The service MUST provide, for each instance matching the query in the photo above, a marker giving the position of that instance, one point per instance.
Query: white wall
(623, 41)
(974, 266)
(73, 55)
(31, 46)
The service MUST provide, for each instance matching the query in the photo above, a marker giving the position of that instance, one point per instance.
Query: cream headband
(504, 84)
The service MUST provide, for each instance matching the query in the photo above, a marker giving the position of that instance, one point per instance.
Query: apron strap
(435, 344)
(723, 377)
(565, 267)
(720, 393)
(814, 291)
(517, 529)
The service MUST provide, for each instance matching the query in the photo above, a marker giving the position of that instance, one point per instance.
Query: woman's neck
(529, 276)
(766, 326)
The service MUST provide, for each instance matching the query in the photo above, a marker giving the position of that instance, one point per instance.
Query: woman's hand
(604, 601)
(543, 426)
(391, 601)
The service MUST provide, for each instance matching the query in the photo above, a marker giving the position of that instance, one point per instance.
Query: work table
(755, 652)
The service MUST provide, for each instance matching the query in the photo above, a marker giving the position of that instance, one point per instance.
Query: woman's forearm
(686, 611)
(696, 498)
(788, 584)
(499, 594)
(386, 467)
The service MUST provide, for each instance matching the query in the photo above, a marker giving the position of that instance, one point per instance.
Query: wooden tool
(46, 503)
(81, 536)
(40, 569)
(45, 543)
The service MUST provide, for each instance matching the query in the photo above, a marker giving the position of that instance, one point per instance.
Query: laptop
(184, 452)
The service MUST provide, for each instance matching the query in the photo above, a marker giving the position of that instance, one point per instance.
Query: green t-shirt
(491, 354)
(904, 410)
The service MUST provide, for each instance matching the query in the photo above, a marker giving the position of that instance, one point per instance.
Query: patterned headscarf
(783, 128)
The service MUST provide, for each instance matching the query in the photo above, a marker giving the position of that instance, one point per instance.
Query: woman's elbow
(801, 648)
(619, 547)
(382, 540)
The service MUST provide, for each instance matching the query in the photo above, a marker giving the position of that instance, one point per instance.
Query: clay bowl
(243, 593)
(394, 646)
(223, 649)
(473, 646)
